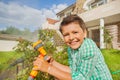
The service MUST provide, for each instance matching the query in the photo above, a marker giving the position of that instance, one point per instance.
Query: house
(98, 14)
(7, 42)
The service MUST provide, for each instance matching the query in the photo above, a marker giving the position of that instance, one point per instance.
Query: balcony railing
(109, 9)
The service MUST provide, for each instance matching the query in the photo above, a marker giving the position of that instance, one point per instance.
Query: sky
(29, 13)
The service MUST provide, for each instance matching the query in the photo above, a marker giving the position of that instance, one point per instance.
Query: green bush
(26, 48)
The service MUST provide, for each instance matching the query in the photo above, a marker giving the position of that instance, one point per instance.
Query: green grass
(6, 58)
(112, 59)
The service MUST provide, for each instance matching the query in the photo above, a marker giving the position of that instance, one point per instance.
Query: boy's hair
(72, 19)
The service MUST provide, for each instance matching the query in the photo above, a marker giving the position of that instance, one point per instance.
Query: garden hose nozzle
(39, 47)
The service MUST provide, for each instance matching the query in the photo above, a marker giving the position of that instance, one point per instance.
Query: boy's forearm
(61, 67)
(58, 73)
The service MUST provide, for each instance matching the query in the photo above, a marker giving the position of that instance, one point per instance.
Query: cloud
(58, 8)
(24, 16)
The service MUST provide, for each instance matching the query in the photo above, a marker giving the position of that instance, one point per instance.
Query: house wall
(6, 45)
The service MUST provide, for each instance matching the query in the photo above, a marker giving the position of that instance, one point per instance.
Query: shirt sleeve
(69, 59)
(85, 66)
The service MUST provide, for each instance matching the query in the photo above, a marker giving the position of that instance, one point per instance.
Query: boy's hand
(41, 64)
(49, 59)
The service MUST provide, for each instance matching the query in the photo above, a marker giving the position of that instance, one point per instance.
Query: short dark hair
(72, 19)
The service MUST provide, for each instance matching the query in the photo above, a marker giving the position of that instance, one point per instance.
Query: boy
(85, 59)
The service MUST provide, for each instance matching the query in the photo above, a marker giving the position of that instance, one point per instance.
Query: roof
(52, 21)
(69, 7)
(8, 37)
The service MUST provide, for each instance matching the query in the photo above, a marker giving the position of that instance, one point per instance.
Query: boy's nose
(71, 37)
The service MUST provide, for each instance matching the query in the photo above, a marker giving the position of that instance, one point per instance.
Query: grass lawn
(112, 59)
(6, 58)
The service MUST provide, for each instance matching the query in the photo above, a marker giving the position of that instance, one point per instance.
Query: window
(97, 3)
(96, 36)
(93, 5)
(100, 3)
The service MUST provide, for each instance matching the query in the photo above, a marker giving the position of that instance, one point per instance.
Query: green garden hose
(115, 72)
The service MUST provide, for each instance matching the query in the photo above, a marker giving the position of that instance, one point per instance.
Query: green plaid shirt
(87, 62)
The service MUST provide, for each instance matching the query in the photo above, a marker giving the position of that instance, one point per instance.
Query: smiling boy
(85, 58)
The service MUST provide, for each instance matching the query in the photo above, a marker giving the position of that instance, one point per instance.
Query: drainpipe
(102, 33)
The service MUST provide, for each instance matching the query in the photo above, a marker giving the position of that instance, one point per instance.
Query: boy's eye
(65, 34)
(75, 32)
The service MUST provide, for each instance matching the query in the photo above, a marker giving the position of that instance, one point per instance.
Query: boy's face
(73, 35)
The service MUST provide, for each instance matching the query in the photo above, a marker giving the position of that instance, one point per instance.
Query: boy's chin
(74, 47)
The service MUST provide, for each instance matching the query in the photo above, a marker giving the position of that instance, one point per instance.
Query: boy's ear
(85, 33)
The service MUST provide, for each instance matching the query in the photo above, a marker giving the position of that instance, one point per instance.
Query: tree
(12, 30)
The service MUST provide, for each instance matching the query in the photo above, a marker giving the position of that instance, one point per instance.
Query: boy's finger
(35, 68)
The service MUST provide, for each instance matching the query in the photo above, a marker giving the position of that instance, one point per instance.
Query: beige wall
(110, 9)
(6, 45)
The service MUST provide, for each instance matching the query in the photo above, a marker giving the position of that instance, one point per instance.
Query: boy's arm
(61, 67)
(58, 73)
(55, 71)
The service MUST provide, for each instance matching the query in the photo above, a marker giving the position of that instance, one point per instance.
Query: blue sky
(29, 13)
